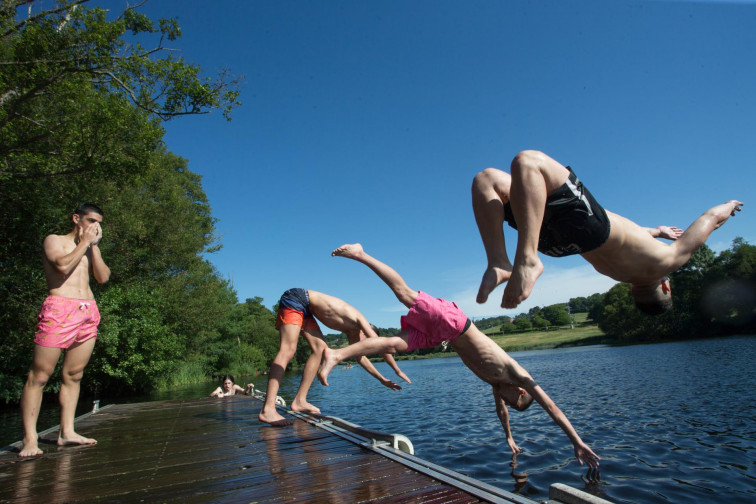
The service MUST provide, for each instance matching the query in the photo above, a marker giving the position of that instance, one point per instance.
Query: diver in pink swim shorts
(68, 321)
(431, 321)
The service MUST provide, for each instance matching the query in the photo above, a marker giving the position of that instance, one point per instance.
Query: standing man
(68, 320)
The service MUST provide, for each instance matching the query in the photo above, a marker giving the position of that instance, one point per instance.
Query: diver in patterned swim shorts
(297, 313)
(555, 214)
(431, 321)
(68, 321)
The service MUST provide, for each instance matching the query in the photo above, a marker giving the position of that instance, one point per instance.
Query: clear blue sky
(367, 120)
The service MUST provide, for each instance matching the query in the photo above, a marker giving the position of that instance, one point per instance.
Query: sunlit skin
(339, 316)
(511, 384)
(631, 253)
(68, 261)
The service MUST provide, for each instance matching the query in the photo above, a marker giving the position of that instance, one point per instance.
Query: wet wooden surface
(211, 450)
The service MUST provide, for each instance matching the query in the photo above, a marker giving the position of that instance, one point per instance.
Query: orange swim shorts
(65, 321)
(296, 317)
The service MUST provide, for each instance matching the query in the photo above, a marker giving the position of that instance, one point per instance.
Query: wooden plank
(211, 450)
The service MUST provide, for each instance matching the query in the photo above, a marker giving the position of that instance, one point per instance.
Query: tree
(522, 323)
(556, 315)
(82, 100)
(50, 58)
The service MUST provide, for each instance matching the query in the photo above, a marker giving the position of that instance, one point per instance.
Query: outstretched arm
(367, 331)
(698, 232)
(389, 359)
(503, 413)
(582, 451)
(368, 366)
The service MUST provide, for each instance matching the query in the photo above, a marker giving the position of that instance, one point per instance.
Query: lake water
(672, 422)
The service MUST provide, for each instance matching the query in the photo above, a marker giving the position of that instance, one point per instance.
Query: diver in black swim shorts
(555, 214)
(573, 221)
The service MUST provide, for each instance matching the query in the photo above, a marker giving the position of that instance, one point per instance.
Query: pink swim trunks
(431, 321)
(64, 321)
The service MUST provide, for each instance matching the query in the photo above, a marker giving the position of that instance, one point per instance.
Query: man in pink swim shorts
(431, 321)
(68, 320)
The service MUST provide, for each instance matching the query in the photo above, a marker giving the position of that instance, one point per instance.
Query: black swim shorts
(573, 222)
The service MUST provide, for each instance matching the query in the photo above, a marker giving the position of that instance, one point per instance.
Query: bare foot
(30, 449)
(492, 278)
(304, 407)
(274, 419)
(326, 365)
(352, 251)
(75, 439)
(521, 283)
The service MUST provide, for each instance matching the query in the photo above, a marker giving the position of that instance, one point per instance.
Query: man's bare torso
(630, 254)
(73, 285)
(334, 313)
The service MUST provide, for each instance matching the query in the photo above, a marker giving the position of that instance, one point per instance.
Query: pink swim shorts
(65, 321)
(431, 321)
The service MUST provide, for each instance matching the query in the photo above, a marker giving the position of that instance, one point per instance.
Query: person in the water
(229, 387)
(555, 214)
(431, 321)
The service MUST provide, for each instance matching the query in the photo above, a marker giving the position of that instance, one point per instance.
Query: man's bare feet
(274, 419)
(75, 439)
(521, 283)
(492, 278)
(30, 449)
(350, 251)
(326, 365)
(304, 407)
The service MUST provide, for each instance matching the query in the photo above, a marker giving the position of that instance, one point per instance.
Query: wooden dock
(215, 450)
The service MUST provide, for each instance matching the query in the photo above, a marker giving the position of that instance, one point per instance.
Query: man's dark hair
(86, 208)
(524, 402)
(654, 307)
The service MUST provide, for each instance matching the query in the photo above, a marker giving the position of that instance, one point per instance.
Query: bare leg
(534, 177)
(289, 336)
(490, 192)
(43, 365)
(367, 346)
(76, 359)
(386, 273)
(308, 374)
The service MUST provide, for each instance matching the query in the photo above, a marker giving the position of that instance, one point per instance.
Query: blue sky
(367, 120)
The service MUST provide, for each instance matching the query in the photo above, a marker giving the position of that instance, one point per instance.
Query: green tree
(556, 315)
(522, 323)
(81, 105)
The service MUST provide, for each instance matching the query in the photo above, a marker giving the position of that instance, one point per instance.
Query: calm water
(672, 422)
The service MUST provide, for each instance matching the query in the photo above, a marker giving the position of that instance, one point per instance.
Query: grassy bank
(584, 333)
